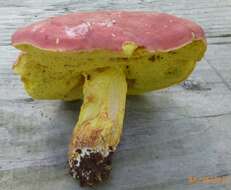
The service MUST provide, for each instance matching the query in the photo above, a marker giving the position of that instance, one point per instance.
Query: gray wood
(168, 135)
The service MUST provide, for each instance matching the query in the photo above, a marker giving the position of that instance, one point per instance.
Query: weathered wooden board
(168, 135)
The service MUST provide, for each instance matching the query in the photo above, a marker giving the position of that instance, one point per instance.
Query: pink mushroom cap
(87, 31)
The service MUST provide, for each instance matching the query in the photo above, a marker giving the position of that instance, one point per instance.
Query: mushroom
(102, 57)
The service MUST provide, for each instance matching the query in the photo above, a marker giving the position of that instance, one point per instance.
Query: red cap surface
(109, 30)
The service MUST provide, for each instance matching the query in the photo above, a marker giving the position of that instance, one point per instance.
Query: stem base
(91, 167)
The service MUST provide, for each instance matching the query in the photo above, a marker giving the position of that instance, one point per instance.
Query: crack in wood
(219, 75)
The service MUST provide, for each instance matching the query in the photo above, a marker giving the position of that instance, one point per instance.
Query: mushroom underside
(59, 75)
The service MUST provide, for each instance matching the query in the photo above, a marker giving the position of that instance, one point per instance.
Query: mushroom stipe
(101, 57)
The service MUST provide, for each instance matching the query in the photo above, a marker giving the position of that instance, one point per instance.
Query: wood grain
(169, 135)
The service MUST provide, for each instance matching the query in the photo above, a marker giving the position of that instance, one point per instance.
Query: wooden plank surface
(168, 136)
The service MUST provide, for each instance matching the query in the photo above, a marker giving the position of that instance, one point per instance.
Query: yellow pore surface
(59, 75)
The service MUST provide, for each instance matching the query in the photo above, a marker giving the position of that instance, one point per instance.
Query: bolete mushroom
(102, 57)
